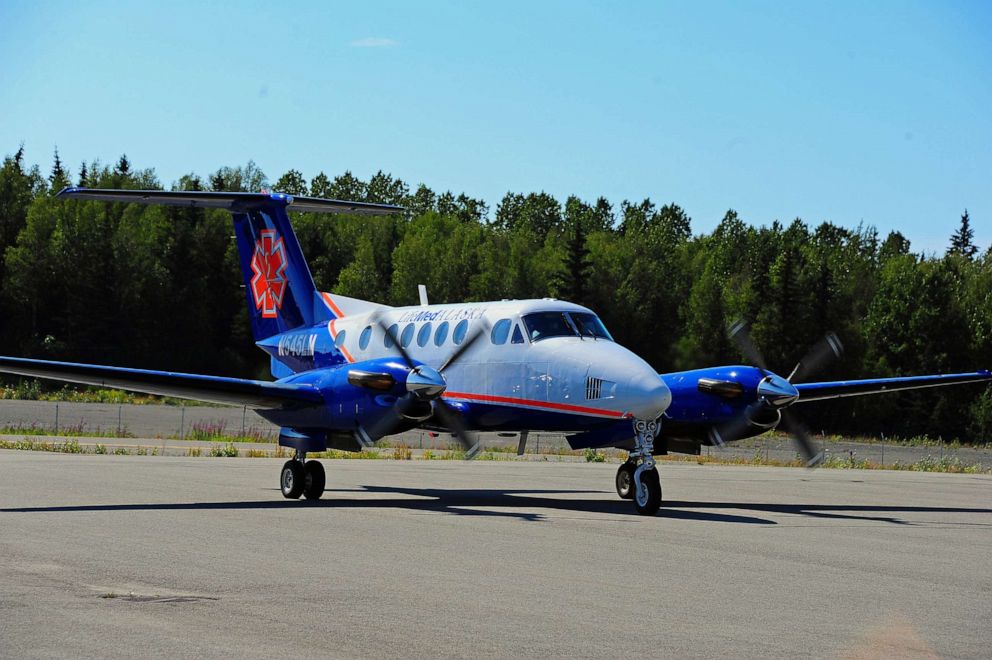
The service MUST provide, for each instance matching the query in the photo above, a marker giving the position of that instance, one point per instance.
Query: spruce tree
(59, 178)
(962, 241)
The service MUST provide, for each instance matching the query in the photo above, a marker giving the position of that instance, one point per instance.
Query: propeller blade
(453, 420)
(802, 439)
(384, 425)
(827, 349)
(376, 319)
(480, 330)
(735, 429)
(740, 334)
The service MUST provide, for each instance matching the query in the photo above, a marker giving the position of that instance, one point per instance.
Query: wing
(213, 389)
(841, 388)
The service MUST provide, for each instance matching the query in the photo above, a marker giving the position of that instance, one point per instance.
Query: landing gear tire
(314, 480)
(625, 481)
(292, 479)
(648, 501)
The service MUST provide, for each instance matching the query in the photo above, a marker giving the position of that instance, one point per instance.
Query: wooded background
(160, 288)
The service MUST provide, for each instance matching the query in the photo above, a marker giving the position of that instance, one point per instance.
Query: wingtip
(69, 190)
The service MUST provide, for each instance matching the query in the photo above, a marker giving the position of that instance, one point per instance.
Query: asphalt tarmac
(113, 556)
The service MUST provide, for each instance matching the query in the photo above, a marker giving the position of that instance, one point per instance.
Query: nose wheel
(637, 479)
(625, 480)
(302, 477)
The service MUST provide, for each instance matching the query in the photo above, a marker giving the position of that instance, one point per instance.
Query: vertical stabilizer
(279, 289)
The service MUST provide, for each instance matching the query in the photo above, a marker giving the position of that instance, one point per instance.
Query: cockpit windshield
(589, 325)
(543, 325)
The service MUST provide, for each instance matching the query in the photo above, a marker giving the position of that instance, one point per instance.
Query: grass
(228, 450)
(71, 430)
(33, 390)
(216, 431)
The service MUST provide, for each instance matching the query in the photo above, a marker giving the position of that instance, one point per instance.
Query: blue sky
(852, 112)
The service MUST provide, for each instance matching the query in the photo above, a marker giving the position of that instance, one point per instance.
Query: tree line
(160, 287)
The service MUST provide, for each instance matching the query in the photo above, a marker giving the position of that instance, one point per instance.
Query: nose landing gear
(637, 478)
(302, 477)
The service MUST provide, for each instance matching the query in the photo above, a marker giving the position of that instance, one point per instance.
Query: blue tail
(279, 289)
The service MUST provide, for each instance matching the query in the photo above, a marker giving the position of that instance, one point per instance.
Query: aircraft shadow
(836, 511)
(514, 504)
(462, 502)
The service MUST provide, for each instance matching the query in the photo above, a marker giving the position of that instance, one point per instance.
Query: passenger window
(407, 335)
(500, 332)
(363, 341)
(390, 339)
(518, 337)
(339, 339)
(424, 334)
(458, 336)
(441, 334)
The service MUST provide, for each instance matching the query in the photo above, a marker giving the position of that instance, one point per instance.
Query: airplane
(350, 372)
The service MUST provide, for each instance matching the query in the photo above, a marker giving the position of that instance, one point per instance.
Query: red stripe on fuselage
(334, 335)
(330, 303)
(550, 405)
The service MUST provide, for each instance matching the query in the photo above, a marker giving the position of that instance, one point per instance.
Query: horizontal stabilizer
(236, 202)
(212, 389)
(843, 388)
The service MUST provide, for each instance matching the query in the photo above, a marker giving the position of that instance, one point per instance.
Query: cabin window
(500, 332)
(363, 341)
(407, 336)
(424, 335)
(339, 340)
(390, 339)
(518, 337)
(458, 336)
(542, 325)
(441, 334)
(589, 325)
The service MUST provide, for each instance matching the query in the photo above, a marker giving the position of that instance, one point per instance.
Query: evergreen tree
(320, 185)
(59, 178)
(962, 242)
(292, 183)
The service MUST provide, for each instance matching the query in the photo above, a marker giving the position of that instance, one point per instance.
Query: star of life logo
(268, 284)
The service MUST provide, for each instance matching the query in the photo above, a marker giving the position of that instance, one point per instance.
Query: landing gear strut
(302, 477)
(637, 478)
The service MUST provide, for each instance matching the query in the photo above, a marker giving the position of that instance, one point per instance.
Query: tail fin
(278, 286)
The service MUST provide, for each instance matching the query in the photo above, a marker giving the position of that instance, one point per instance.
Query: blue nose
(648, 396)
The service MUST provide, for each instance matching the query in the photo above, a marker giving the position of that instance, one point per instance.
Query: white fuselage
(543, 355)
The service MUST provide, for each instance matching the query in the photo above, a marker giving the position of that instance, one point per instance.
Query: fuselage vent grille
(594, 388)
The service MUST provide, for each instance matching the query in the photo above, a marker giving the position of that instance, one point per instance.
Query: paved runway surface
(410, 559)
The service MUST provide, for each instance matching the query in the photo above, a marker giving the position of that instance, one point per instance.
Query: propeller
(424, 386)
(776, 394)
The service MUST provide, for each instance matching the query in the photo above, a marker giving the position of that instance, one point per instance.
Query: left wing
(212, 389)
(843, 388)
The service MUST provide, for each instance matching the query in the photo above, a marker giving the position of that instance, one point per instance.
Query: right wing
(843, 388)
(212, 389)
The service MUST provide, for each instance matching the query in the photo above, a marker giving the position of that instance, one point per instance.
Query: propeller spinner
(775, 394)
(424, 387)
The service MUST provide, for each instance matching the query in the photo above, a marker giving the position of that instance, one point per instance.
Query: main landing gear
(302, 477)
(637, 479)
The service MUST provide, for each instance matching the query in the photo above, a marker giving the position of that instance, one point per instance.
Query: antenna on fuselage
(423, 295)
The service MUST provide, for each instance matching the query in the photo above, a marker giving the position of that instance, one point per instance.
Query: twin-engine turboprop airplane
(350, 372)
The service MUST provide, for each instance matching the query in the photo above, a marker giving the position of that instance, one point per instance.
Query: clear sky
(878, 112)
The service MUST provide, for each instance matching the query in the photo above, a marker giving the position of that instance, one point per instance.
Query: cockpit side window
(518, 337)
(543, 325)
(500, 332)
